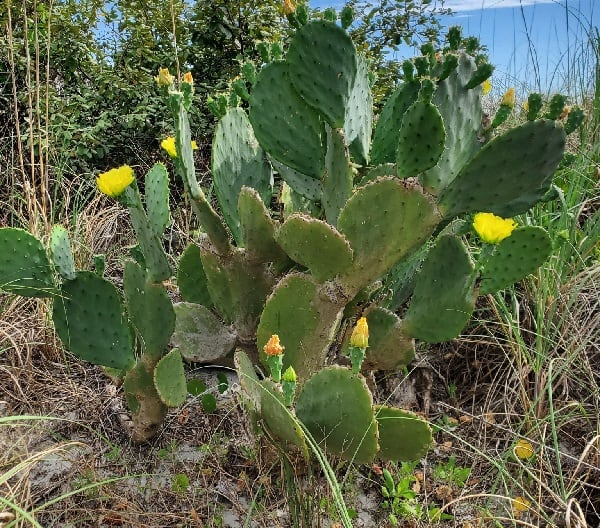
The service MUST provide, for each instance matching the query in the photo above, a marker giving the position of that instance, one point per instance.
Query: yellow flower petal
(114, 182)
(524, 449)
(360, 334)
(194, 145)
(187, 77)
(164, 78)
(273, 347)
(289, 6)
(509, 98)
(493, 229)
(486, 86)
(520, 504)
(168, 144)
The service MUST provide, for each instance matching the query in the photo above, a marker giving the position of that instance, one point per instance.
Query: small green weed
(451, 473)
(181, 483)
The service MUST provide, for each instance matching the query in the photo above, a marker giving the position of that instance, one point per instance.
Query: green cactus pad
(420, 139)
(461, 112)
(386, 135)
(90, 320)
(169, 379)
(305, 320)
(306, 186)
(403, 436)
(199, 335)
(191, 278)
(336, 407)
(147, 409)
(238, 287)
(157, 198)
(237, 161)
(443, 299)
(284, 124)
(387, 169)
(322, 65)
(154, 254)
(337, 180)
(399, 283)
(258, 229)
(388, 348)
(150, 309)
(60, 252)
(294, 202)
(523, 252)
(509, 174)
(375, 221)
(278, 419)
(359, 115)
(24, 266)
(251, 388)
(316, 245)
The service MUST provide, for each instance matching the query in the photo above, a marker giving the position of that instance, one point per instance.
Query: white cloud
(478, 5)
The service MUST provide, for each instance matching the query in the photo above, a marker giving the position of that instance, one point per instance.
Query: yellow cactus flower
(360, 334)
(526, 106)
(486, 87)
(508, 99)
(565, 113)
(114, 182)
(289, 6)
(164, 78)
(168, 145)
(273, 347)
(524, 449)
(493, 229)
(520, 504)
(187, 78)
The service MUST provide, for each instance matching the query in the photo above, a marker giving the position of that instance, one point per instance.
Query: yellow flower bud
(360, 334)
(493, 229)
(164, 78)
(289, 6)
(509, 98)
(526, 106)
(486, 86)
(187, 78)
(524, 449)
(520, 504)
(114, 182)
(289, 375)
(565, 113)
(194, 145)
(273, 347)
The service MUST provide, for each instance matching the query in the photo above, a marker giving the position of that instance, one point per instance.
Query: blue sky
(535, 44)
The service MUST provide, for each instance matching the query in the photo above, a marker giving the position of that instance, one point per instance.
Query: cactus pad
(375, 221)
(169, 379)
(385, 138)
(316, 245)
(60, 252)
(443, 299)
(237, 161)
(251, 388)
(388, 348)
(515, 257)
(90, 320)
(284, 124)
(150, 309)
(157, 198)
(359, 115)
(337, 180)
(403, 436)
(509, 174)
(258, 229)
(322, 65)
(191, 278)
(421, 139)
(336, 407)
(278, 419)
(306, 186)
(461, 112)
(24, 265)
(199, 335)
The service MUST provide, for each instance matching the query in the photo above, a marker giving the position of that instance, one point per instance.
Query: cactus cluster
(368, 228)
